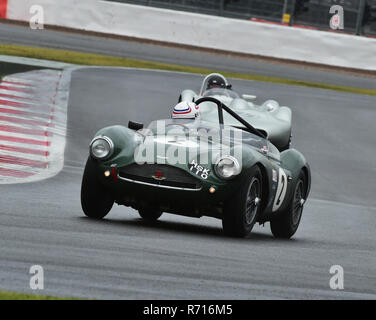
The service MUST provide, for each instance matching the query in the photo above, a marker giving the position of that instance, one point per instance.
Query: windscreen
(202, 129)
(220, 92)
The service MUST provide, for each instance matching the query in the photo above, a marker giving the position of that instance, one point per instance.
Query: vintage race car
(270, 118)
(197, 168)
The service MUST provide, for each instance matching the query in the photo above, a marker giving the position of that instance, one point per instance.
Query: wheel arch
(296, 163)
(307, 173)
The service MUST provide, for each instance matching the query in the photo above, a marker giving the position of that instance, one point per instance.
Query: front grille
(160, 175)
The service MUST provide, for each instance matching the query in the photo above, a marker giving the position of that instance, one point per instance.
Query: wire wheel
(242, 210)
(253, 200)
(298, 203)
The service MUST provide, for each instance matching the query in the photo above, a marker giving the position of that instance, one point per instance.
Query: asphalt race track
(123, 257)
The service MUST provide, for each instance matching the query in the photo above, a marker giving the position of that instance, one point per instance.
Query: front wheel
(241, 212)
(96, 200)
(286, 223)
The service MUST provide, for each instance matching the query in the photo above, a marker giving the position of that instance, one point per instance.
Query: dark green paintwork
(200, 202)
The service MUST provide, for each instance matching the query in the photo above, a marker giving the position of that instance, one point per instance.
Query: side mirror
(135, 125)
(249, 97)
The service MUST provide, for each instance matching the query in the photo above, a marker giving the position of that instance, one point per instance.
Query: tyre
(150, 214)
(241, 212)
(96, 201)
(286, 224)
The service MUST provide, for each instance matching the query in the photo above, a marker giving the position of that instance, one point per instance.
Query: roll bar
(221, 106)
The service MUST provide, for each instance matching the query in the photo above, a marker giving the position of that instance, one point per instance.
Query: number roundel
(281, 190)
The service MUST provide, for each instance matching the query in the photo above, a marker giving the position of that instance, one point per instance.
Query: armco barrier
(328, 48)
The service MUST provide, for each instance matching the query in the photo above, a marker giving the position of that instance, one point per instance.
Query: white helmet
(185, 110)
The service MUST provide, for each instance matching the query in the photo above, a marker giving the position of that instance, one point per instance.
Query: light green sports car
(270, 118)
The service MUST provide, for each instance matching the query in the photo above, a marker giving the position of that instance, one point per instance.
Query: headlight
(101, 147)
(227, 167)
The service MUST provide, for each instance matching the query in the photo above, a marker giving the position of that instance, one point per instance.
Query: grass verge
(90, 59)
(6, 295)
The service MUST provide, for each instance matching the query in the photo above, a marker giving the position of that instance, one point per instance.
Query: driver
(185, 110)
(216, 82)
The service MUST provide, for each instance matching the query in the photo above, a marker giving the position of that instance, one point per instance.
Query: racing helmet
(216, 82)
(185, 110)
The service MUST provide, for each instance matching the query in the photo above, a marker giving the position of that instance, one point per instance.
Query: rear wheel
(96, 200)
(287, 223)
(240, 214)
(150, 214)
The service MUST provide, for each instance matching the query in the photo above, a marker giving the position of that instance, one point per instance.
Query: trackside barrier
(248, 37)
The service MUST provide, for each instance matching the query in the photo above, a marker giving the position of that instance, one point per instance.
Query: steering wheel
(221, 106)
